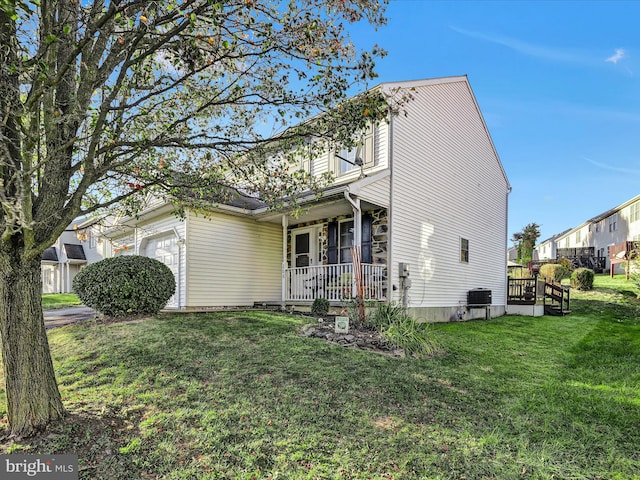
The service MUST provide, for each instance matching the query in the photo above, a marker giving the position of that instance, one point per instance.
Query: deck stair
(556, 299)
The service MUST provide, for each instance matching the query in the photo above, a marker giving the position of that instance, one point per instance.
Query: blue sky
(558, 84)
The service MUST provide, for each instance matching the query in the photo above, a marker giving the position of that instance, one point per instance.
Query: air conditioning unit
(479, 297)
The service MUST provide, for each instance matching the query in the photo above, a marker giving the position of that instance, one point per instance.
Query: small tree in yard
(103, 101)
(525, 242)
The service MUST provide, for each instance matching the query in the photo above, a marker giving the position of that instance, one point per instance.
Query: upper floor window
(634, 214)
(578, 236)
(348, 159)
(613, 223)
(464, 250)
(362, 155)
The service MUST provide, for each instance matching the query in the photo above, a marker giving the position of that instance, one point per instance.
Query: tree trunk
(33, 399)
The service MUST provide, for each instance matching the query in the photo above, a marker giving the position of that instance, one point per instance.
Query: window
(346, 241)
(634, 214)
(464, 250)
(597, 227)
(340, 239)
(365, 153)
(348, 160)
(578, 237)
(613, 223)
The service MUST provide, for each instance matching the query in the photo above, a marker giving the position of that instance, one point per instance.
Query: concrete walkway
(66, 316)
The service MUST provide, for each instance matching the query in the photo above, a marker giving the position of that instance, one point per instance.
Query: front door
(304, 247)
(304, 262)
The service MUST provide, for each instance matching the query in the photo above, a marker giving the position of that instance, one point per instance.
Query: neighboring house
(428, 211)
(74, 249)
(546, 249)
(591, 242)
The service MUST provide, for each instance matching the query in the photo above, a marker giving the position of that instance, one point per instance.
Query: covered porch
(317, 249)
(335, 283)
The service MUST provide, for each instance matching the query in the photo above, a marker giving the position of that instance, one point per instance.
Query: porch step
(555, 310)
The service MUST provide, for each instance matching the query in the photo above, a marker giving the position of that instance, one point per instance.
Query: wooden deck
(525, 291)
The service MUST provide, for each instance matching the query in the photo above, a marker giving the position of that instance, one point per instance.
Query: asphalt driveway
(66, 316)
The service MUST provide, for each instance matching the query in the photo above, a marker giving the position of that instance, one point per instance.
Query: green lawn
(241, 395)
(59, 300)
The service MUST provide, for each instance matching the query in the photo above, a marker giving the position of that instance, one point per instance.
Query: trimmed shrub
(582, 278)
(567, 264)
(126, 285)
(553, 272)
(320, 306)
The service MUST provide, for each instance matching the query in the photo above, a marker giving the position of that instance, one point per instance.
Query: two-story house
(546, 249)
(427, 209)
(591, 242)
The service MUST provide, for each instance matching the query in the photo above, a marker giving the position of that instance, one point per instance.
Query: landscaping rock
(362, 338)
(308, 331)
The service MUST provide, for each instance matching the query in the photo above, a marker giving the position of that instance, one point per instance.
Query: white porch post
(357, 231)
(284, 259)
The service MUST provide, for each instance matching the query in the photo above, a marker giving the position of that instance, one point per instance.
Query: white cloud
(613, 168)
(619, 55)
(530, 49)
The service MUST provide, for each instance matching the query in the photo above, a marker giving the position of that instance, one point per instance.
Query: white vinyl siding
(447, 183)
(233, 261)
(377, 192)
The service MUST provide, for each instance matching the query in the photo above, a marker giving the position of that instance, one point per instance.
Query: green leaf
(50, 39)
(66, 29)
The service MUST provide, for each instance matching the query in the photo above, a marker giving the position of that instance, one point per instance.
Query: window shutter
(368, 144)
(332, 243)
(366, 254)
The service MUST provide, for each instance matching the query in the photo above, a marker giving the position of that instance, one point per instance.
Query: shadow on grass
(241, 395)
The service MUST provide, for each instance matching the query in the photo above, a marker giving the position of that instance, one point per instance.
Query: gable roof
(608, 213)
(408, 84)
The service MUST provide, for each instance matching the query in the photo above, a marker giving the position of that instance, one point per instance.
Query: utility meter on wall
(404, 270)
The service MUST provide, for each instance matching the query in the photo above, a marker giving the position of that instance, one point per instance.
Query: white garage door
(165, 249)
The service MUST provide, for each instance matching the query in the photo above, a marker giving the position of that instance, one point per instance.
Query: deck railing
(333, 282)
(521, 291)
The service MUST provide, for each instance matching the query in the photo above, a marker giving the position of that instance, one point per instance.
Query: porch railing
(333, 282)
